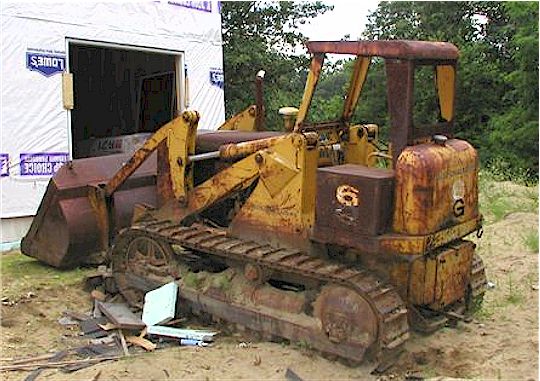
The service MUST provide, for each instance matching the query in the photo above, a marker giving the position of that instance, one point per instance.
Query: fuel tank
(436, 187)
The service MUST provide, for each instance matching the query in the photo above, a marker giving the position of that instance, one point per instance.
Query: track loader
(303, 235)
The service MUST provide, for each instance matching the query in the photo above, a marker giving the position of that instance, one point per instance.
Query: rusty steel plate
(346, 317)
(66, 227)
(388, 49)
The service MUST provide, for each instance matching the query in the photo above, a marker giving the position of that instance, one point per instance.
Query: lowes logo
(4, 164)
(216, 77)
(46, 64)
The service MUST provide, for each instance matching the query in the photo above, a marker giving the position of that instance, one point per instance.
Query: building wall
(33, 118)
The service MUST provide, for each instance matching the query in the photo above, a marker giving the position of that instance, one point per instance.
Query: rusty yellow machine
(302, 235)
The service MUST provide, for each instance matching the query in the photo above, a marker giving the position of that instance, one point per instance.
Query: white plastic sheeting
(34, 133)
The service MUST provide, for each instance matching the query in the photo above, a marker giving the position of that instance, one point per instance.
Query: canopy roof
(401, 49)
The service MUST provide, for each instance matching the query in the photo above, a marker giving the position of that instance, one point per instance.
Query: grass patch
(530, 240)
(499, 208)
(192, 280)
(21, 274)
(222, 281)
(303, 345)
(484, 311)
(498, 199)
(513, 292)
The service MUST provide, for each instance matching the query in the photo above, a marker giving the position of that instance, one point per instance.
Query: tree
(497, 89)
(516, 128)
(264, 36)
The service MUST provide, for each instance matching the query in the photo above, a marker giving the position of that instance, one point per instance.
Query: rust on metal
(66, 228)
(352, 200)
(439, 279)
(400, 97)
(311, 83)
(234, 151)
(283, 201)
(346, 316)
(232, 179)
(358, 78)
(392, 243)
(436, 187)
(398, 49)
(271, 297)
(386, 317)
(98, 202)
(212, 141)
(165, 134)
(284, 220)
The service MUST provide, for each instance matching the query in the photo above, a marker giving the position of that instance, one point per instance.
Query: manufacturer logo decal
(46, 63)
(216, 77)
(347, 195)
(459, 208)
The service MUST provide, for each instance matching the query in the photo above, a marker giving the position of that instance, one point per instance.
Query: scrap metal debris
(160, 308)
(111, 328)
(160, 304)
(120, 315)
(189, 334)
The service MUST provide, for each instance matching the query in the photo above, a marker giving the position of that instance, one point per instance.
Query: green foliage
(516, 129)
(500, 169)
(263, 36)
(329, 96)
(21, 274)
(499, 199)
(497, 88)
(497, 103)
(192, 280)
(514, 294)
(530, 239)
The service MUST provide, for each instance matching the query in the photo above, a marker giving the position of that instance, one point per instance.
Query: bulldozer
(313, 234)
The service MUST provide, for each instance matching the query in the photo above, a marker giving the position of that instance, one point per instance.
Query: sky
(347, 17)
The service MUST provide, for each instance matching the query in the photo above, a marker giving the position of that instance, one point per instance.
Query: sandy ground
(500, 343)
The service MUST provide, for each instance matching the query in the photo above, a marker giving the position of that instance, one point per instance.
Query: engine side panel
(442, 278)
(436, 187)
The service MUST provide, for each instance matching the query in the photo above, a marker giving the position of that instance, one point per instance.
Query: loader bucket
(65, 228)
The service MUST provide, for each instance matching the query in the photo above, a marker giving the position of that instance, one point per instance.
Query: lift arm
(179, 135)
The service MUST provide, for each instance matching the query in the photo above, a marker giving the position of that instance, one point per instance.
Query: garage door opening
(121, 95)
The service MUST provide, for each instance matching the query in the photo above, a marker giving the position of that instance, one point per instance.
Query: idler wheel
(346, 317)
(141, 264)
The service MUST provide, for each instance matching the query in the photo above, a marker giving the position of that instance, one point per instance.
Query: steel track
(387, 305)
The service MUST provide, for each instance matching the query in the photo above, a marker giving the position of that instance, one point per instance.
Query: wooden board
(146, 344)
(120, 315)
